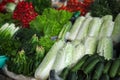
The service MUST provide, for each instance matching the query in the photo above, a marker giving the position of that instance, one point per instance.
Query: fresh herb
(7, 17)
(104, 7)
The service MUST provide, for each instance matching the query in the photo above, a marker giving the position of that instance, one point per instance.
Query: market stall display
(60, 39)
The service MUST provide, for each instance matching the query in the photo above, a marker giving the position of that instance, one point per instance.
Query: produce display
(97, 40)
(76, 41)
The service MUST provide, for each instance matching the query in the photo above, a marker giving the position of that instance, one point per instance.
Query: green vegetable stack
(93, 68)
(96, 42)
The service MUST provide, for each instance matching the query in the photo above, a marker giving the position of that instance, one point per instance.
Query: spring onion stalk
(78, 53)
(11, 29)
(94, 27)
(7, 31)
(106, 27)
(34, 39)
(64, 58)
(42, 72)
(83, 32)
(90, 45)
(4, 27)
(15, 30)
(76, 27)
(116, 30)
(105, 48)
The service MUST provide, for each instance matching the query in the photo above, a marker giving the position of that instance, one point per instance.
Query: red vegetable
(24, 12)
(75, 5)
(3, 4)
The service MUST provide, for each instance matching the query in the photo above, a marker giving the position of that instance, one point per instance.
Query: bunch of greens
(104, 7)
(40, 5)
(25, 53)
(49, 25)
(7, 17)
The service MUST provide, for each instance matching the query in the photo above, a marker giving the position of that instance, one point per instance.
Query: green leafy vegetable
(46, 42)
(49, 25)
(7, 17)
(40, 5)
(105, 7)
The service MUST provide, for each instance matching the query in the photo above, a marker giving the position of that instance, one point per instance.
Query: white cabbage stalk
(108, 48)
(105, 48)
(42, 72)
(76, 42)
(78, 53)
(83, 32)
(94, 27)
(100, 47)
(106, 27)
(88, 15)
(76, 27)
(116, 30)
(90, 45)
(63, 58)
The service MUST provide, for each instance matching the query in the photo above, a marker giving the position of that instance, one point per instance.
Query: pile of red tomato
(75, 5)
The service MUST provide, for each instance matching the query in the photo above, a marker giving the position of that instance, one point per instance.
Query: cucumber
(114, 68)
(72, 76)
(107, 67)
(118, 72)
(98, 71)
(64, 73)
(89, 76)
(91, 65)
(80, 63)
(105, 77)
(91, 58)
(81, 75)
